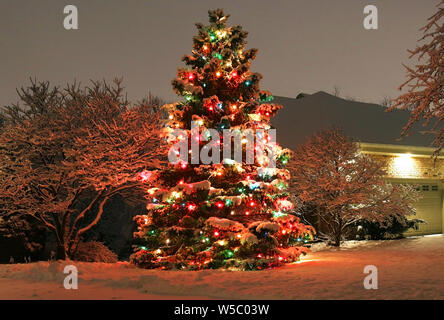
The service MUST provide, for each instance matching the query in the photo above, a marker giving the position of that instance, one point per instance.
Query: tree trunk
(318, 211)
(61, 251)
(337, 242)
(338, 233)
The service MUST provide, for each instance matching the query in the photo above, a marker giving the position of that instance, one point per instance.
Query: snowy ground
(408, 269)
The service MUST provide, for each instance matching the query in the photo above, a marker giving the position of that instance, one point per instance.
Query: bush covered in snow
(94, 251)
(375, 231)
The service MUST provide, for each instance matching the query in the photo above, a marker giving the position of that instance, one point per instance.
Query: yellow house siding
(415, 165)
(406, 162)
(411, 167)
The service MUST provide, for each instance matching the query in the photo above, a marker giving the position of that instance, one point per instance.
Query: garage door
(429, 209)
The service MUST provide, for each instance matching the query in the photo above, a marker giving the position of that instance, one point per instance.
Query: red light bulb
(191, 206)
(219, 204)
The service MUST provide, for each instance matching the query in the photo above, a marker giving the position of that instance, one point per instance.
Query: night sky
(304, 46)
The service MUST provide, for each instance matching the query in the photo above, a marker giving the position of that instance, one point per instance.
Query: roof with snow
(303, 116)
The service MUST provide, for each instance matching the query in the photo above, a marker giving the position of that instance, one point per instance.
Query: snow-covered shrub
(20, 235)
(94, 251)
(375, 231)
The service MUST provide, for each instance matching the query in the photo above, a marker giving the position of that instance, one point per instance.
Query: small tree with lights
(232, 214)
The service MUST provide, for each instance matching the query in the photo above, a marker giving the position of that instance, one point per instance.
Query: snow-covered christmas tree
(235, 213)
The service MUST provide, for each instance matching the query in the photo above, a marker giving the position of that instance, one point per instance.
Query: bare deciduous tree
(386, 101)
(425, 81)
(336, 91)
(65, 153)
(346, 186)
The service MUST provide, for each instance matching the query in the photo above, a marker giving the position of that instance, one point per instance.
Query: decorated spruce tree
(233, 212)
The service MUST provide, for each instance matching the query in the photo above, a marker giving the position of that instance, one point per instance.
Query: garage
(415, 165)
(429, 208)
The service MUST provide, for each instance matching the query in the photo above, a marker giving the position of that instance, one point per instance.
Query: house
(407, 159)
